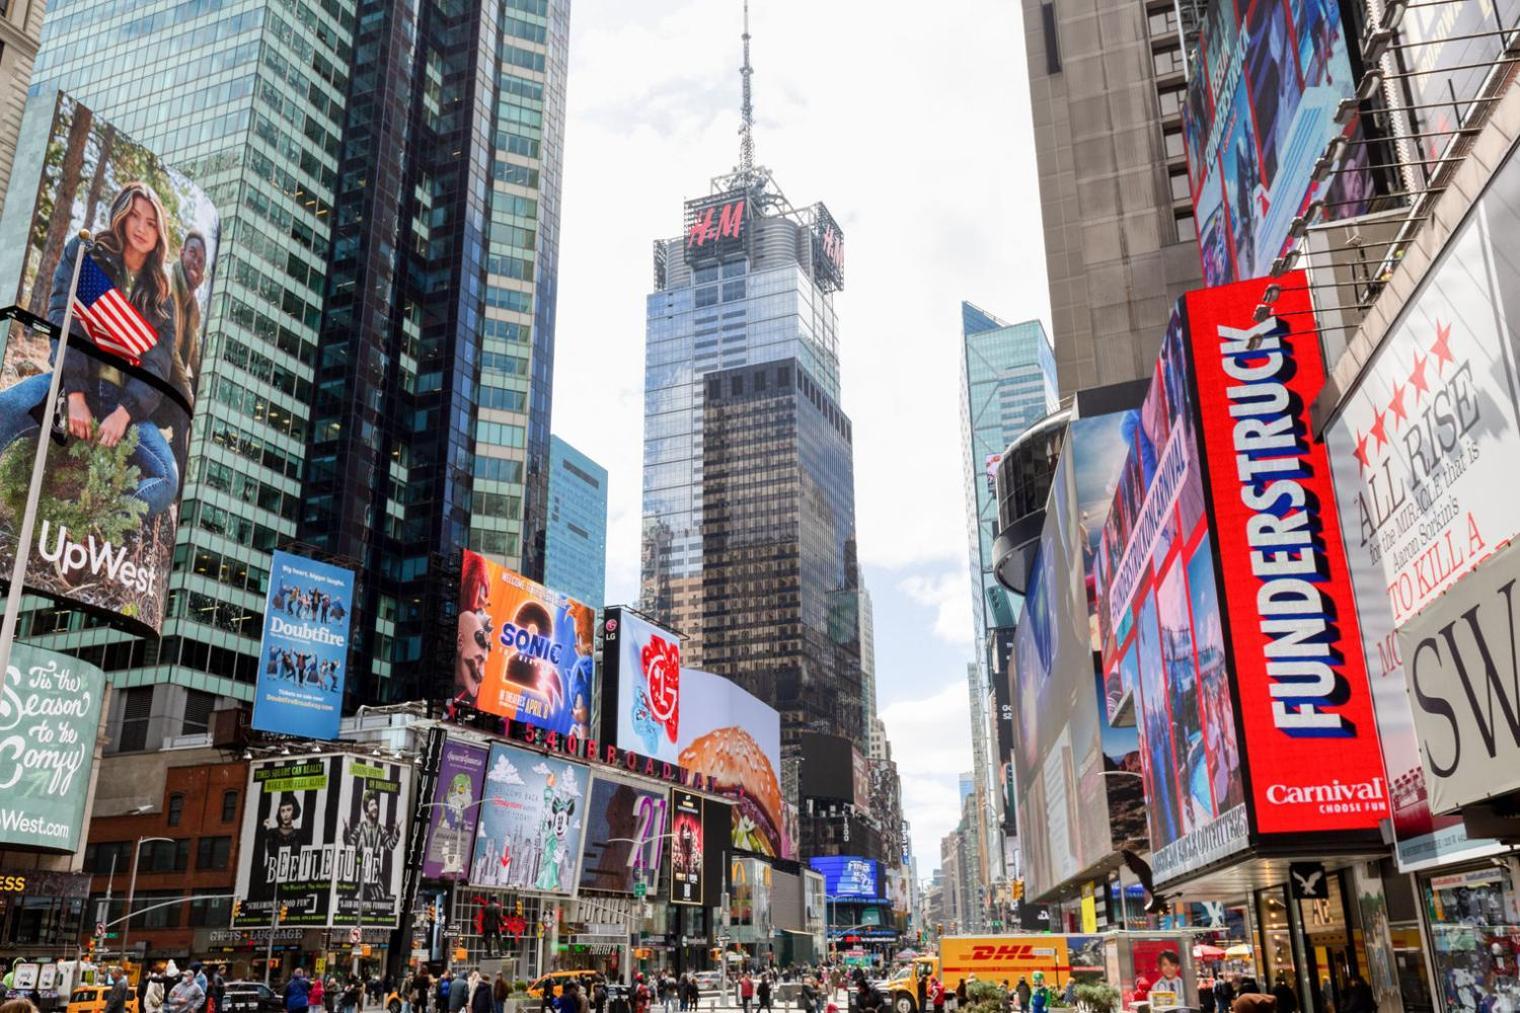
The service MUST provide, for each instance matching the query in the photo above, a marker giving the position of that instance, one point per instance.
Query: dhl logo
(1009, 951)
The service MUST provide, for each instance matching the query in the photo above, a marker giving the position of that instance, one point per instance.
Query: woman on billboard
(103, 403)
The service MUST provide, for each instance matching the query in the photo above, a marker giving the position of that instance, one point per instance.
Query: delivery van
(994, 959)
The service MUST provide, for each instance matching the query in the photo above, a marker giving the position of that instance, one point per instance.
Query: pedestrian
(746, 991)
(599, 994)
(422, 985)
(17, 1005)
(807, 997)
(960, 995)
(116, 997)
(1359, 997)
(188, 995)
(1206, 997)
(1253, 1002)
(1287, 999)
(762, 994)
(482, 999)
(317, 994)
(216, 991)
(923, 990)
(1224, 995)
(352, 996)
(444, 981)
(459, 994)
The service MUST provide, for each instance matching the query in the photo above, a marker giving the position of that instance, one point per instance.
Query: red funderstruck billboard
(1305, 704)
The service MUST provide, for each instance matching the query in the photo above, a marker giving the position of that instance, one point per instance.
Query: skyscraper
(575, 550)
(379, 356)
(1120, 243)
(20, 28)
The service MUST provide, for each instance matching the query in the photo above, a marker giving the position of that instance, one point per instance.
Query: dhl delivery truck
(994, 959)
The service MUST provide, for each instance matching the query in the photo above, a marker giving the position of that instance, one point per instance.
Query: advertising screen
(49, 717)
(1423, 449)
(626, 830)
(1260, 111)
(524, 651)
(1163, 632)
(717, 227)
(827, 772)
(304, 650)
(372, 802)
(700, 721)
(686, 852)
(104, 535)
(848, 877)
(455, 810)
(289, 841)
(530, 829)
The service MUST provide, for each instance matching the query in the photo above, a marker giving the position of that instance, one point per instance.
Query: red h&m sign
(720, 221)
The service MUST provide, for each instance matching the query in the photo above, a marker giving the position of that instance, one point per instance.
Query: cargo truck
(995, 959)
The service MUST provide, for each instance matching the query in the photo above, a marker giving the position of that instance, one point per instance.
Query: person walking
(188, 995)
(499, 992)
(353, 994)
(116, 997)
(923, 990)
(1224, 995)
(317, 994)
(421, 986)
(1287, 999)
(746, 991)
(763, 994)
(937, 995)
(459, 994)
(807, 996)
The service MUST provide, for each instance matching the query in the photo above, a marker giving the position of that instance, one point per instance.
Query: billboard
(686, 851)
(1461, 650)
(827, 771)
(287, 853)
(848, 877)
(530, 829)
(455, 810)
(1260, 111)
(697, 720)
(372, 802)
(524, 652)
(106, 520)
(1422, 450)
(717, 227)
(626, 830)
(304, 649)
(828, 249)
(49, 716)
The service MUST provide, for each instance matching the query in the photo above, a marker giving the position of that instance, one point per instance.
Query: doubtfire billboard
(1224, 478)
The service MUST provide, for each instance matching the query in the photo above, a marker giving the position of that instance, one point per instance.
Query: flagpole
(39, 467)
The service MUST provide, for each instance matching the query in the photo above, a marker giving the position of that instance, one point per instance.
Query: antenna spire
(747, 110)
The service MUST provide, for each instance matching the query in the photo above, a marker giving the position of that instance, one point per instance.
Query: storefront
(1473, 920)
(41, 913)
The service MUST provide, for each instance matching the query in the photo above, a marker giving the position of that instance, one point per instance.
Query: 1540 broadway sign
(1464, 684)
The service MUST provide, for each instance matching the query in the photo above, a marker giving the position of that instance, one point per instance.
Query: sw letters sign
(1463, 656)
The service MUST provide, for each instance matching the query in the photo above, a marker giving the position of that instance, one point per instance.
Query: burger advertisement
(698, 721)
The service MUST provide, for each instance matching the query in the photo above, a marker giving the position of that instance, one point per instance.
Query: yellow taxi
(92, 999)
(555, 978)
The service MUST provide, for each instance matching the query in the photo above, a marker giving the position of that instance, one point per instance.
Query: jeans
(670, 1004)
(159, 484)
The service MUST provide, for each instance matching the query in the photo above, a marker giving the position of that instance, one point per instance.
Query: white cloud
(504, 772)
(931, 742)
(948, 595)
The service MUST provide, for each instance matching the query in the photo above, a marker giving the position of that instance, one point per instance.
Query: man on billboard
(373, 843)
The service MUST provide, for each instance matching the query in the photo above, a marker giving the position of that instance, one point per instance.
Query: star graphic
(1396, 405)
(1360, 453)
(1442, 348)
(1379, 429)
(1417, 377)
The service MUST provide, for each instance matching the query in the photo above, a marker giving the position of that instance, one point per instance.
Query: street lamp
(126, 928)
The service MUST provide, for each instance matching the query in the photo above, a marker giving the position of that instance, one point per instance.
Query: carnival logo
(661, 661)
(98, 557)
(1337, 796)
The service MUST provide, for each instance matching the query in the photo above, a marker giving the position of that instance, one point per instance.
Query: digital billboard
(49, 717)
(1260, 110)
(700, 721)
(304, 649)
(109, 507)
(455, 810)
(1277, 644)
(828, 249)
(827, 771)
(524, 652)
(686, 851)
(1423, 450)
(529, 834)
(848, 877)
(626, 831)
(717, 227)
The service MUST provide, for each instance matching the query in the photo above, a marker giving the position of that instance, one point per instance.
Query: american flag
(112, 321)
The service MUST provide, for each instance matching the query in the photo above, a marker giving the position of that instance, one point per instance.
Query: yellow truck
(995, 959)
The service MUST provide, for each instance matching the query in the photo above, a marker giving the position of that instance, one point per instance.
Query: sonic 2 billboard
(1224, 478)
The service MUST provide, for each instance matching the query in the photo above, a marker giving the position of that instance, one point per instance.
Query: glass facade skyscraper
(575, 551)
(379, 355)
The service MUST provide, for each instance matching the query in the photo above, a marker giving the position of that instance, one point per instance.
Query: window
(1168, 61)
(164, 856)
(210, 912)
(198, 707)
(733, 290)
(1187, 229)
(136, 710)
(1163, 23)
(707, 296)
(1173, 139)
(229, 805)
(213, 852)
(1180, 189)
(1171, 101)
(176, 809)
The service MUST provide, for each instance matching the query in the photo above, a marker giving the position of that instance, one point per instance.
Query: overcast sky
(912, 124)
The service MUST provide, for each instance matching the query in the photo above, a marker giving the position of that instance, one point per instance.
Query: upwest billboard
(1250, 693)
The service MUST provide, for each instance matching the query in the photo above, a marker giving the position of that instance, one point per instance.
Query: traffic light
(89, 948)
(237, 908)
(1018, 889)
(284, 911)
(432, 911)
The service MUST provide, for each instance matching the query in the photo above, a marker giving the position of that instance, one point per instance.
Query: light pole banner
(49, 717)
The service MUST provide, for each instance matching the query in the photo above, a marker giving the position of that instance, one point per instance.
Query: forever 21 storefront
(1422, 419)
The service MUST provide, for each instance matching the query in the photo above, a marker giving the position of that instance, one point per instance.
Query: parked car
(251, 997)
(92, 999)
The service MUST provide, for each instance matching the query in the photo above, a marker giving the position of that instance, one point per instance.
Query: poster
(372, 806)
(524, 652)
(1159, 961)
(455, 810)
(700, 721)
(531, 826)
(1423, 449)
(304, 650)
(106, 521)
(686, 851)
(626, 831)
(50, 706)
(287, 855)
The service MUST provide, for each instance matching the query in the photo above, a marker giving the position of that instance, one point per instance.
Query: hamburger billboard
(696, 720)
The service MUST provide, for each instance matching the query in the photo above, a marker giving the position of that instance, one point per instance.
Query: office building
(20, 30)
(1107, 83)
(575, 549)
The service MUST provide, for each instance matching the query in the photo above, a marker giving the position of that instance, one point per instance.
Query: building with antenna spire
(749, 490)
